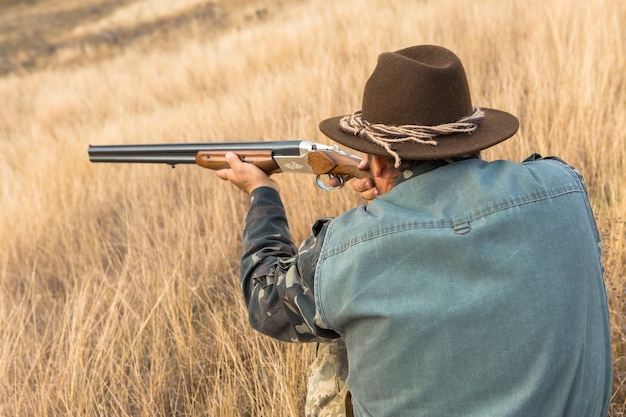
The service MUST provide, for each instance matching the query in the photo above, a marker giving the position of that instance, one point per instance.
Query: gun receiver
(271, 157)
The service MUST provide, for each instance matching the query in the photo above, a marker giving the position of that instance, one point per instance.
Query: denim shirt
(475, 289)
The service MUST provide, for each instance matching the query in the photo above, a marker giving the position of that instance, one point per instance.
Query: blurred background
(119, 292)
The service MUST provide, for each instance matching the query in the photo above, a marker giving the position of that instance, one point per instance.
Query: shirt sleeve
(276, 276)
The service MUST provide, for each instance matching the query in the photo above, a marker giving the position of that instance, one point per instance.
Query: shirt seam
(442, 224)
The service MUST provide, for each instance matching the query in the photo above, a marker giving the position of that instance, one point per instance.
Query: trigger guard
(320, 184)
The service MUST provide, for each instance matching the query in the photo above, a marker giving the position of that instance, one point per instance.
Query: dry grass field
(119, 283)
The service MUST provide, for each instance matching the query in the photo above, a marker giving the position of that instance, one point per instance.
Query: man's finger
(370, 194)
(233, 159)
(224, 173)
(361, 185)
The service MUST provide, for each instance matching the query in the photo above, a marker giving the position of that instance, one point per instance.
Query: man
(464, 288)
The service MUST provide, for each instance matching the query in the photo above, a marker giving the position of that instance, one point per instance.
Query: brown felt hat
(422, 85)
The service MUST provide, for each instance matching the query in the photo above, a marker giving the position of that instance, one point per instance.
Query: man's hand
(365, 186)
(245, 176)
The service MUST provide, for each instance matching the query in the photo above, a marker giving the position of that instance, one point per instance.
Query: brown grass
(119, 284)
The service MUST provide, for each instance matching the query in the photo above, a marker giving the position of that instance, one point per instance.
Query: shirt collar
(419, 169)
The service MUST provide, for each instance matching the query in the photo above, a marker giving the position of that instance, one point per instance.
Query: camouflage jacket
(276, 276)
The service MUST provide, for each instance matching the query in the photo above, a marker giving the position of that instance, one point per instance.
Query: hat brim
(496, 127)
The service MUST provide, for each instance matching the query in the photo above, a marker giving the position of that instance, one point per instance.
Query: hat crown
(421, 85)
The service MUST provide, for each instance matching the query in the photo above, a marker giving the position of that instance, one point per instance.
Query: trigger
(321, 185)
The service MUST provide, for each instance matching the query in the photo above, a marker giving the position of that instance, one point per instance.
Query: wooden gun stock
(334, 163)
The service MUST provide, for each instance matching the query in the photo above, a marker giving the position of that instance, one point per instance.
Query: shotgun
(271, 157)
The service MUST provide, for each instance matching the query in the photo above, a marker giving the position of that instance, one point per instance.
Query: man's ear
(384, 173)
(379, 166)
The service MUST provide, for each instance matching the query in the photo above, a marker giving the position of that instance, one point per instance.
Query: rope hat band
(385, 135)
(415, 106)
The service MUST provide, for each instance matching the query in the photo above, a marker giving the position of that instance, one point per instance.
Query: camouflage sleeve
(277, 277)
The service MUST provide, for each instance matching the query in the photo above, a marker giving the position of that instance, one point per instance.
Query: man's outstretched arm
(276, 277)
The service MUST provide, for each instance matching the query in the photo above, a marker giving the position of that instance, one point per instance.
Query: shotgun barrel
(185, 153)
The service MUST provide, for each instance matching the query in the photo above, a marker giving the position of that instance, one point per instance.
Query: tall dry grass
(119, 284)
